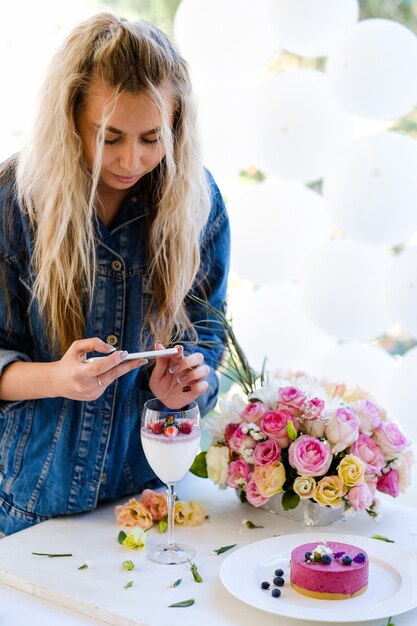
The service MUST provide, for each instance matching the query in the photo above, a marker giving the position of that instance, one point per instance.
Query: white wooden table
(49, 591)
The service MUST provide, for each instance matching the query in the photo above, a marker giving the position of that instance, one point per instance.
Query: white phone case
(150, 354)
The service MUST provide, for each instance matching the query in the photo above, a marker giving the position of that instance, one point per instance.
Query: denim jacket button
(116, 265)
(112, 340)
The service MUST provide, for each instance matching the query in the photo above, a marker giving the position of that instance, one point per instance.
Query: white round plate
(392, 585)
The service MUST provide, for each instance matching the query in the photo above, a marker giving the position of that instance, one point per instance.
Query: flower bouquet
(303, 437)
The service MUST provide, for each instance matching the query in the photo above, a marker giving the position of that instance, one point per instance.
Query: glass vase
(307, 512)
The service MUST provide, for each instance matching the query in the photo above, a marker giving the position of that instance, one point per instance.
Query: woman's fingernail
(143, 362)
(109, 347)
(123, 355)
(182, 379)
(173, 369)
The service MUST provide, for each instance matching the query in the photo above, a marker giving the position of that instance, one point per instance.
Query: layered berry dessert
(330, 570)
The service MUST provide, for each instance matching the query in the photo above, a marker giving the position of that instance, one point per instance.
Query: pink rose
(238, 474)
(391, 440)
(367, 450)
(342, 429)
(229, 430)
(253, 412)
(156, 502)
(314, 427)
(274, 425)
(266, 452)
(240, 439)
(360, 497)
(292, 397)
(313, 408)
(369, 416)
(389, 483)
(309, 456)
(253, 495)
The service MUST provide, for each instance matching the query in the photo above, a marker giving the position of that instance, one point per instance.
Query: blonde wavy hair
(59, 193)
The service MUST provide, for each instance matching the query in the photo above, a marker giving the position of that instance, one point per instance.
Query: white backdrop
(325, 273)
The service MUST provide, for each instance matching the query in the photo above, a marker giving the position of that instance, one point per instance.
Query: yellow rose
(135, 539)
(217, 459)
(330, 490)
(269, 479)
(305, 486)
(351, 470)
(182, 511)
(189, 513)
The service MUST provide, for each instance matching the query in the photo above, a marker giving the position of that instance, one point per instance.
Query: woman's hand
(177, 380)
(77, 380)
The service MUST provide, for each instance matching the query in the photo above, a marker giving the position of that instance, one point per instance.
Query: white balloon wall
(317, 275)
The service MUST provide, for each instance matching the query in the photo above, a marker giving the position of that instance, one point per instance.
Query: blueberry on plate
(279, 572)
(278, 581)
(326, 559)
(346, 560)
(275, 593)
(308, 556)
(265, 585)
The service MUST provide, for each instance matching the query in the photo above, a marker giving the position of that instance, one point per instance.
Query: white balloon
(371, 189)
(358, 364)
(225, 37)
(402, 290)
(271, 324)
(311, 29)
(297, 126)
(370, 72)
(274, 225)
(224, 108)
(343, 288)
(402, 394)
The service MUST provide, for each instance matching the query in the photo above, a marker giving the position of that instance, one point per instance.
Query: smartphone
(150, 354)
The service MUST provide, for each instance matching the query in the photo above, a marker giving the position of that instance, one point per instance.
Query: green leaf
(182, 604)
(83, 566)
(176, 582)
(195, 573)
(292, 433)
(162, 526)
(382, 538)
(50, 555)
(121, 537)
(199, 466)
(128, 585)
(249, 524)
(389, 623)
(290, 500)
(128, 565)
(224, 549)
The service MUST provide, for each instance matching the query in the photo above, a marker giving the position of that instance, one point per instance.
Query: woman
(109, 226)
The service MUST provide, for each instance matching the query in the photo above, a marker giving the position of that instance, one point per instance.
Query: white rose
(217, 459)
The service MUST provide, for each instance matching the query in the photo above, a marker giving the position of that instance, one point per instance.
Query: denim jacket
(60, 456)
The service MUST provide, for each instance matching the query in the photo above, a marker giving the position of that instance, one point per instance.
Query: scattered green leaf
(50, 555)
(249, 524)
(224, 549)
(184, 603)
(121, 537)
(176, 582)
(382, 538)
(291, 431)
(84, 565)
(195, 573)
(162, 526)
(389, 623)
(199, 466)
(128, 585)
(128, 565)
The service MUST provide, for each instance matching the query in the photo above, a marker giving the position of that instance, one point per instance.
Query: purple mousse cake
(329, 570)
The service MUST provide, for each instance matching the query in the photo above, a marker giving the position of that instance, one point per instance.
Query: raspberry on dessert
(186, 428)
(156, 427)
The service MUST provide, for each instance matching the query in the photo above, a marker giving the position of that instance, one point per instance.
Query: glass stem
(171, 510)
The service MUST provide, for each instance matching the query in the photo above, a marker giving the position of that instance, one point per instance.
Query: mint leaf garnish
(382, 538)
(195, 573)
(249, 524)
(224, 549)
(184, 603)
